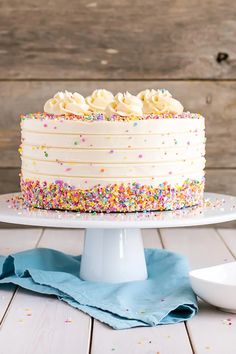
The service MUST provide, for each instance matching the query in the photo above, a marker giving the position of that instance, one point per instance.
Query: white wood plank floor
(38, 324)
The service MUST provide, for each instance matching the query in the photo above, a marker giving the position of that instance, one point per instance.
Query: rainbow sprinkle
(128, 197)
(102, 117)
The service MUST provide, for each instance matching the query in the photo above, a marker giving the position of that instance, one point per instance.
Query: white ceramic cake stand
(113, 248)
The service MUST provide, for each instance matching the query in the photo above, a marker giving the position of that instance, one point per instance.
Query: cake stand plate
(113, 249)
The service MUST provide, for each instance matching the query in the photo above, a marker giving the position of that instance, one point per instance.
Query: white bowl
(216, 285)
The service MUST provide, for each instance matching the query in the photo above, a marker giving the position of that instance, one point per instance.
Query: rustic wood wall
(186, 46)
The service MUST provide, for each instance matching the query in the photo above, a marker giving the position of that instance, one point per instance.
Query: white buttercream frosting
(125, 105)
(66, 102)
(143, 95)
(86, 153)
(126, 169)
(99, 100)
(159, 101)
(90, 182)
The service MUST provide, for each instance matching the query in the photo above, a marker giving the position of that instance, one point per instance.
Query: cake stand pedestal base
(113, 255)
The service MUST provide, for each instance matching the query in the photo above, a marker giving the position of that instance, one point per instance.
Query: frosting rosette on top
(125, 105)
(99, 100)
(159, 101)
(150, 101)
(66, 102)
(143, 95)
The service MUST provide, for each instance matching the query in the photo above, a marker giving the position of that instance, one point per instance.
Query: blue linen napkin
(165, 297)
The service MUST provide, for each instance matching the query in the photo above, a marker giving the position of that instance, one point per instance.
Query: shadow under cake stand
(113, 248)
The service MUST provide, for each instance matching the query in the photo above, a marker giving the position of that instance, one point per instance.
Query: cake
(106, 153)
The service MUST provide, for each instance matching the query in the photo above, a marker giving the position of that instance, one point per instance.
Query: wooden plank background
(118, 39)
(188, 47)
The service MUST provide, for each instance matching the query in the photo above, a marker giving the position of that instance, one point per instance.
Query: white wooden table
(38, 324)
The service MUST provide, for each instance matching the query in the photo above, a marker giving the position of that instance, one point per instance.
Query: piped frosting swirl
(123, 104)
(66, 102)
(99, 100)
(160, 101)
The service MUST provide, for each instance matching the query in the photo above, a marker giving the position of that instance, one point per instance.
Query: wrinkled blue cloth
(165, 297)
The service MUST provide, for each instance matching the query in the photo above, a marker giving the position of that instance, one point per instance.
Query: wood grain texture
(58, 239)
(45, 330)
(9, 180)
(16, 240)
(195, 244)
(153, 340)
(12, 241)
(52, 326)
(215, 100)
(229, 237)
(117, 39)
(207, 330)
(221, 181)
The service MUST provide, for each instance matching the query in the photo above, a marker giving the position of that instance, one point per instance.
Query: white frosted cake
(113, 154)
